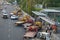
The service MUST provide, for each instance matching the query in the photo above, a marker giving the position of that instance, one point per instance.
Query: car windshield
(5, 13)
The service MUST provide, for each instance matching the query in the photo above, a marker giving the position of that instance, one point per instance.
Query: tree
(28, 5)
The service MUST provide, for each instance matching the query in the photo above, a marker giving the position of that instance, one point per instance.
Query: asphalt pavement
(8, 30)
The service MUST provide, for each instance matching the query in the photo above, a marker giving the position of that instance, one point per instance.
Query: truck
(31, 33)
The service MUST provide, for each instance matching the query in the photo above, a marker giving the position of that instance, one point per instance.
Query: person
(30, 20)
(54, 28)
(32, 28)
(47, 28)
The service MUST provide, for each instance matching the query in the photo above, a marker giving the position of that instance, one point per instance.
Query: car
(5, 16)
(43, 35)
(11, 14)
(14, 17)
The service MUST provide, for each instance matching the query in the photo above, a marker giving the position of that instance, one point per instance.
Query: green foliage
(46, 3)
(28, 5)
(11, 1)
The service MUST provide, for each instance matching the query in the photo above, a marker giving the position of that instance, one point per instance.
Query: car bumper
(14, 18)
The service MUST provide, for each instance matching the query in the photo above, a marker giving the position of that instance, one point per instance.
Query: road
(8, 30)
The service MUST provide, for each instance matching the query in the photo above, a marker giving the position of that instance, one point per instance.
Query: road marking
(9, 30)
(8, 35)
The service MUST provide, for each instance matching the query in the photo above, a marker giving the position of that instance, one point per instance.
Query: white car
(43, 35)
(14, 17)
(5, 16)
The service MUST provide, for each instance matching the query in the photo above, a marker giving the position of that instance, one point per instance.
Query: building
(53, 14)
